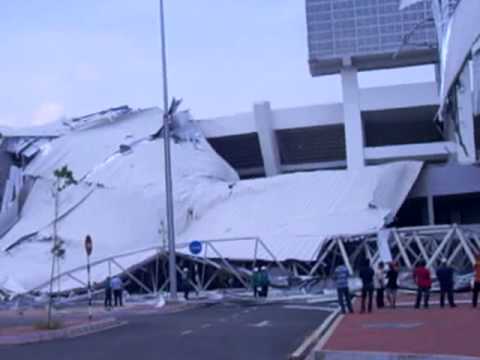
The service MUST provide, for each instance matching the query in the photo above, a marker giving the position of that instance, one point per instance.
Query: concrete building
(396, 123)
(368, 34)
(371, 125)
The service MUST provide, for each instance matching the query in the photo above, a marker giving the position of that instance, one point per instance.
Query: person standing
(422, 278)
(380, 280)
(255, 282)
(366, 275)
(392, 284)
(186, 282)
(445, 278)
(264, 282)
(108, 294)
(476, 282)
(223, 280)
(341, 275)
(117, 287)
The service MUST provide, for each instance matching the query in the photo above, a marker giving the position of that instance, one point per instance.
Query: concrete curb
(304, 349)
(360, 355)
(68, 333)
(174, 310)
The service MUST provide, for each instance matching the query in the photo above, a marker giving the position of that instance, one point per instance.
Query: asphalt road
(223, 331)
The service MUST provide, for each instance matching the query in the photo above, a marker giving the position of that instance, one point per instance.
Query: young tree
(63, 179)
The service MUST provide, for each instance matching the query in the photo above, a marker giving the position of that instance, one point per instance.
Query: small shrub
(43, 325)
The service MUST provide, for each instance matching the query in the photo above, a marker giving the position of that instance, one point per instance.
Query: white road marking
(186, 332)
(319, 336)
(204, 326)
(306, 307)
(322, 299)
(261, 324)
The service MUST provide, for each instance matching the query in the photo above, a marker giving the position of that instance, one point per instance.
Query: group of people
(384, 281)
(113, 286)
(423, 280)
(260, 282)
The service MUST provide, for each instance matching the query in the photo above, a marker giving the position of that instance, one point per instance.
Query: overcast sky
(68, 58)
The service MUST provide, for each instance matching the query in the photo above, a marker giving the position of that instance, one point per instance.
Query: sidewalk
(20, 329)
(405, 330)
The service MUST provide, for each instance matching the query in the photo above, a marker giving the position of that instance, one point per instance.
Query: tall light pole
(172, 266)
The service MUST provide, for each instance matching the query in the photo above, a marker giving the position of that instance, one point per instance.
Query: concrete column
(268, 140)
(354, 138)
(476, 81)
(438, 76)
(431, 210)
(466, 126)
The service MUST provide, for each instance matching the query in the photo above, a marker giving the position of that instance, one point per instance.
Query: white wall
(448, 179)
(369, 99)
(380, 98)
(238, 124)
(308, 116)
(399, 96)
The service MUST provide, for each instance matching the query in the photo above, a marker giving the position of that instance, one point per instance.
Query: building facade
(372, 34)
(396, 124)
(348, 36)
(374, 125)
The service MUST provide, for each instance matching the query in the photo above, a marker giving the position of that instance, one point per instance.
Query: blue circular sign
(195, 247)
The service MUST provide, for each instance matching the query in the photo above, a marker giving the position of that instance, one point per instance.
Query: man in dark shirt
(366, 275)
(445, 278)
(108, 294)
(392, 284)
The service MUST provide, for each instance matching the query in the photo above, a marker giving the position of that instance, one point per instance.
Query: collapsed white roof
(294, 213)
(120, 201)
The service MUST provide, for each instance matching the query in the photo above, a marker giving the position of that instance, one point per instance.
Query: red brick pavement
(29, 329)
(406, 330)
(13, 324)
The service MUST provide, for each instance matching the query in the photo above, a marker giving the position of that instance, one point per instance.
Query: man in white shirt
(117, 287)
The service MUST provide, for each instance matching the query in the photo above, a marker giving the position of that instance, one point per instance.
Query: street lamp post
(172, 267)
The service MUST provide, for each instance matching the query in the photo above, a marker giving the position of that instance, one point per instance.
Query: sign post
(172, 262)
(195, 247)
(88, 250)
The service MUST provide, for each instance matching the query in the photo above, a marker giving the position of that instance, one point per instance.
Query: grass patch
(43, 325)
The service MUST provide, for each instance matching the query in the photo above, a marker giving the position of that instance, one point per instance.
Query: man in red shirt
(422, 278)
(476, 281)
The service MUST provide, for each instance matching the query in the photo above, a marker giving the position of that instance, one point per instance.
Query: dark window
(460, 209)
(240, 151)
(414, 212)
(312, 144)
(400, 126)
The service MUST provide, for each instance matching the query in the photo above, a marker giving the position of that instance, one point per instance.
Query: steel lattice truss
(407, 246)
